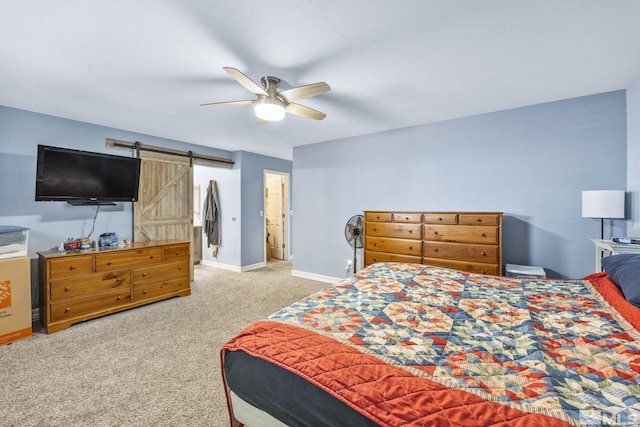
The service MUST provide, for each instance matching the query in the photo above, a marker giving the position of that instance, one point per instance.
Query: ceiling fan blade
(215, 104)
(306, 91)
(301, 110)
(245, 81)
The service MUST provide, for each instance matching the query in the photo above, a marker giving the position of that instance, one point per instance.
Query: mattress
(408, 344)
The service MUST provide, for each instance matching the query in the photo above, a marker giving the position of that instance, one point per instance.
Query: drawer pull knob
(68, 309)
(179, 268)
(117, 298)
(177, 252)
(108, 262)
(66, 289)
(484, 235)
(144, 292)
(151, 257)
(72, 267)
(479, 220)
(117, 280)
(144, 274)
(435, 250)
(410, 231)
(483, 253)
(435, 233)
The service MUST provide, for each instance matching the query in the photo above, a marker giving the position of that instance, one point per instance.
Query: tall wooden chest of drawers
(81, 285)
(467, 241)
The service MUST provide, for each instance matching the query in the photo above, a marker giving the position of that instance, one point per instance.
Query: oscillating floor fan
(353, 231)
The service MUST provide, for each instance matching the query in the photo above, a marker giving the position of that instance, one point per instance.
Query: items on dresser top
(467, 241)
(78, 286)
(626, 240)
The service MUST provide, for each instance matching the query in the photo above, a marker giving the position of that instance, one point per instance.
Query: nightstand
(614, 248)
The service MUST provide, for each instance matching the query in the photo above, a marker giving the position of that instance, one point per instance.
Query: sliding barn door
(165, 201)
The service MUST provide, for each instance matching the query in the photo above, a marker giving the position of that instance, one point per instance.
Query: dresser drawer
(407, 217)
(159, 289)
(86, 285)
(400, 231)
(400, 246)
(439, 218)
(377, 216)
(371, 257)
(479, 219)
(462, 233)
(171, 253)
(70, 267)
(156, 273)
(467, 241)
(462, 251)
(78, 307)
(128, 259)
(471, 267)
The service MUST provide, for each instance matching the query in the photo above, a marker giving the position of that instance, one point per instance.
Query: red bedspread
(410, 345)
(389, 395)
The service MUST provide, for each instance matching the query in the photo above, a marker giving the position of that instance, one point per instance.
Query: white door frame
(287, 212)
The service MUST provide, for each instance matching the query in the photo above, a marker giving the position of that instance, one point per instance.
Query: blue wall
(242, 199)
(253, 200)
(633, 158)
(531, 163)
(53, 222)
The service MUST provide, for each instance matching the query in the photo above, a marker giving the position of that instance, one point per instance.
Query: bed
(413, 345)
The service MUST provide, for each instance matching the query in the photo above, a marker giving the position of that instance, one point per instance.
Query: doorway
(276, 207)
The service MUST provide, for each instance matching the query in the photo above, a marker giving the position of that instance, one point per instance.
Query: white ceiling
(147, 65)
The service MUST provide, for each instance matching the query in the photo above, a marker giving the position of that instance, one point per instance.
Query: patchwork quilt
(412, 345)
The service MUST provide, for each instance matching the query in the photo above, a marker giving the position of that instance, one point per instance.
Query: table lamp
(603, 204)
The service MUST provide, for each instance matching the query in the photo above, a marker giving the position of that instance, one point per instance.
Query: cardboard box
(15, 299)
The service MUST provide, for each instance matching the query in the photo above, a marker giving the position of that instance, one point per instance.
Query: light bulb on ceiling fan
(269, 111)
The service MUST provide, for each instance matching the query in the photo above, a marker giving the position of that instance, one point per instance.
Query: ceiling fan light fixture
(269, 111)
(272, 105)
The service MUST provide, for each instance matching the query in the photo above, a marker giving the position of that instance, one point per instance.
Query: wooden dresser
(467, 241)
(79, 285)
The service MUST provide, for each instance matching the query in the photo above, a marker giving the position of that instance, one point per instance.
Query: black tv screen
(80, 177)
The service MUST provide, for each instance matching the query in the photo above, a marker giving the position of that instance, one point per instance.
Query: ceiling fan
(271, 105)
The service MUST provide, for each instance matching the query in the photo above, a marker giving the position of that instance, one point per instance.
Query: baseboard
(316, 277)
(302, 274)
(230, 267)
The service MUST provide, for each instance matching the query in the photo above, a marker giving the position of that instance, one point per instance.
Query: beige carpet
(156, 365)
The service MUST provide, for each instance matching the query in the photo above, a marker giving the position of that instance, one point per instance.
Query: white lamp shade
(603, 204)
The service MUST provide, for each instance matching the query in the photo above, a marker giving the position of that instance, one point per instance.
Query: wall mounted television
(85, 178)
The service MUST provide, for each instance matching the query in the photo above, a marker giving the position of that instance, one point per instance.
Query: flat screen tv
(82, 177)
